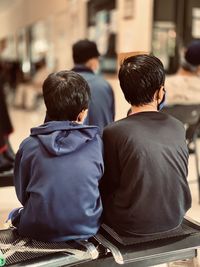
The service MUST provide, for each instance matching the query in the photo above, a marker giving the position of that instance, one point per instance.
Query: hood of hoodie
(63, 137)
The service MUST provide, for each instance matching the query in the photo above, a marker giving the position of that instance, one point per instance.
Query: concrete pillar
(134, 28)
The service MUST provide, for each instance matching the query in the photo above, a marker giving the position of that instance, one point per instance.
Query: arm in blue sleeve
(21, 174)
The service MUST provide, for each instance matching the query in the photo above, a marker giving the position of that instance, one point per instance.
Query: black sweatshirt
(144, 188)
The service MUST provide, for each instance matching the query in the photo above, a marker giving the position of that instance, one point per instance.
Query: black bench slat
(156, 248)
(183, 230)
(110, 252)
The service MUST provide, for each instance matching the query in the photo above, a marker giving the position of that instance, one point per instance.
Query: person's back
(102, 105)
(58, 167)
(150, 173)
(144, 188)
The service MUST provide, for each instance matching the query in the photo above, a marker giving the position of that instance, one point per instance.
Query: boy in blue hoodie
(58, 167)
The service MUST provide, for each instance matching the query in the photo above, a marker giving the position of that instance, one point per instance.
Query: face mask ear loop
(157, 98)
(161, 104)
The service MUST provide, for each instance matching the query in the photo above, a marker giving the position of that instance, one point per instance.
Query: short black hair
(140, 77)
(66, 94)
(192, 54)
(83, 50)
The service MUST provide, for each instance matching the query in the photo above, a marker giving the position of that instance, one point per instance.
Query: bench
(104, 249)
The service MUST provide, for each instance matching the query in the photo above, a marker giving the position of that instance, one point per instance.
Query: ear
(160, 94)
(82, 115)
(93, 63)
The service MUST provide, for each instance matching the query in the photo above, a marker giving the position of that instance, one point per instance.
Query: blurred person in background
(6, 152)
(184, 86)
(102, 105)
(29, 90)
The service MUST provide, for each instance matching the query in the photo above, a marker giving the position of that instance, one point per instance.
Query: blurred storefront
(175, 24)
(48, 28)
(33, 30)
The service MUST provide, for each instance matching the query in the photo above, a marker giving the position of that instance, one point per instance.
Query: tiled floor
(23, 121)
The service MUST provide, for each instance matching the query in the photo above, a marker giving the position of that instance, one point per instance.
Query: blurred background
(36, 37)
(36, 31)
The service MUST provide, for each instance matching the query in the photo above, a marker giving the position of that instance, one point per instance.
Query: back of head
(140, 77)
(84, 50)
(192, 56)
(66, 94)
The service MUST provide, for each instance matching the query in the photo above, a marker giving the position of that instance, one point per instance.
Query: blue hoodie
(57, 173)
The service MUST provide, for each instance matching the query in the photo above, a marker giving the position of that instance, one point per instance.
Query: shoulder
(116, 127)
(98, 140)
(170, 118)
(26, 150)
(97, 148)
(104, 82)
(99, 80)
(130, 123)
(91, 134)
(28, 144)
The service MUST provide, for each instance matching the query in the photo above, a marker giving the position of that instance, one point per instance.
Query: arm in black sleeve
(110, 180)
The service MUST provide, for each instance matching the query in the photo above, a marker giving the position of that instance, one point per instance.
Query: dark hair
(192, 54)
(83, 50)
(188, 67)
(140, 77)
(66, 94)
